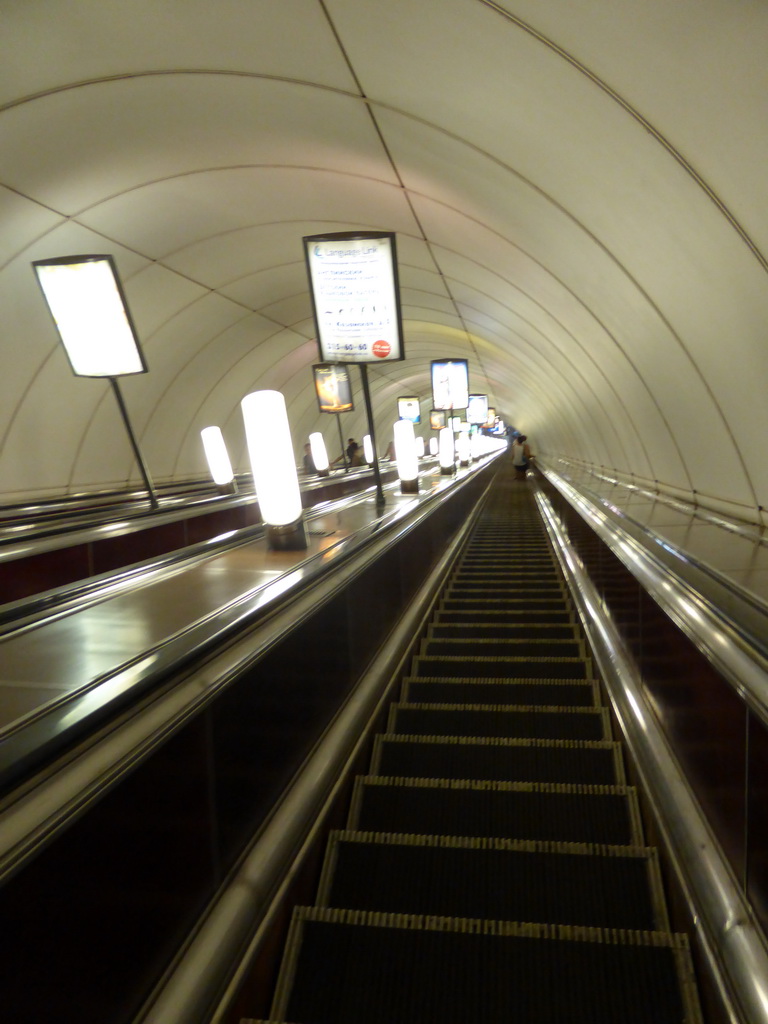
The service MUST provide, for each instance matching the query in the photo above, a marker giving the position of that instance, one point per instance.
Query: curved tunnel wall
(578, 195)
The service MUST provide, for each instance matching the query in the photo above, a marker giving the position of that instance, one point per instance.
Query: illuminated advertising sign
(355, 296)
(86, 300)
(477, 409)
(332, 387)
(450, 384)
(436, 419)
(408, 408)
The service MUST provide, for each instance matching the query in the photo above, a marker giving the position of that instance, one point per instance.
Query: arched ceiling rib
(579, 205)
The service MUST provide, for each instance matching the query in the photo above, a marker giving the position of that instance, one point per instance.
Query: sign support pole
(341, 442)
(380, 500)
(134, 443)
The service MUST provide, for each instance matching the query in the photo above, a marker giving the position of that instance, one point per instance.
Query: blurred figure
(309, 462)
(521, 456)
(353, 452)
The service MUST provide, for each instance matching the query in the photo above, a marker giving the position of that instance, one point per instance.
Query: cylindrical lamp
(420, 447)
(218, 460)
(447, 453)
(463, 448)
(274, 472)
(368, 449)
(319, 454)
(433, 446)
(405, 454)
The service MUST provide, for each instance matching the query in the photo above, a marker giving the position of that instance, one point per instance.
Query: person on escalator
(354, 453)
(521, 456)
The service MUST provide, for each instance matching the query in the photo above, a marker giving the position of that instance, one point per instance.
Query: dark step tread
(347, 966)
(529, 692)
(551, 606)
(496, 667)
(522, 603)
(504, 647)
(534, 587)
(501, 759)
(439, 630)
(524, 721)
(557, 812)
(501, 615)
(452, 876)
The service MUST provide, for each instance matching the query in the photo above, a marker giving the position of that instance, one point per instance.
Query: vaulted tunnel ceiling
(578, 192)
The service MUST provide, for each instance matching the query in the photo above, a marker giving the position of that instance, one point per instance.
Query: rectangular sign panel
(437, 419)
(355, 296)
(333, 388)
(408, 408)
(450, 383)
(477, 409)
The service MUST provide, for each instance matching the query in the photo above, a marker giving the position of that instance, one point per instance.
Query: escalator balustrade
(493, 866)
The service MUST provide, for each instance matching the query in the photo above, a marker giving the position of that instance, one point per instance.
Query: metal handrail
(243, 910)
(35, 817)
(723, 641)
(731, 938)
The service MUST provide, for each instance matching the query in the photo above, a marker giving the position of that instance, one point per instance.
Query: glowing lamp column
(447, 452)
(463, 449)
(368, 451)
(433, 446)
(407, 460)
(218, 460)
(420, 447)
(319, 454)
(274, 472)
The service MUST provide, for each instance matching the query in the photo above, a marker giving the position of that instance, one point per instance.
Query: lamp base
(227, 489)
(447, 470)
(323, 472)
(291, 537)
(409, 486)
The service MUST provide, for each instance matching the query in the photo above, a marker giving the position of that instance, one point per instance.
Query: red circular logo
(381, 349)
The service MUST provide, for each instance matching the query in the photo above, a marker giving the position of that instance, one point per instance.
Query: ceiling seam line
(169, 73)
(585, 351)
(157, 262)
(663, 141)
(601, 246)
(405, 191)
(661, 316)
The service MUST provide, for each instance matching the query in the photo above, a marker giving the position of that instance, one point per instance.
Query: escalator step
(530, 667)
(502, 810)
(509, 647)
(501, 630)
(507, 574)
(596, 763)
(499, 612)
(499, 588)
(346, 966)
(550, 692)
(557, 605)
(449, 876)
(526, 722)
(543, 563)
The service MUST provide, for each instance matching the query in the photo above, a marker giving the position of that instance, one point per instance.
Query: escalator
(493, 866)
